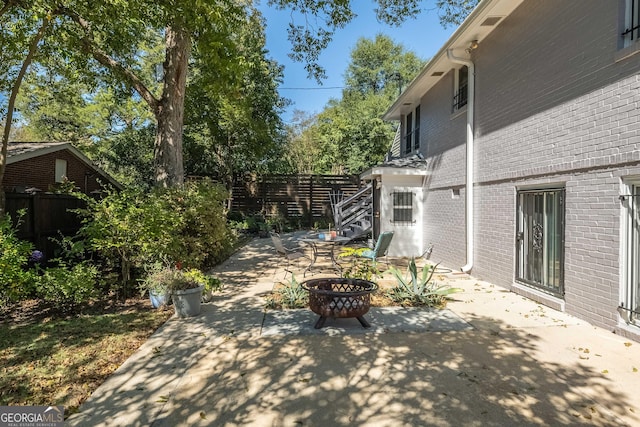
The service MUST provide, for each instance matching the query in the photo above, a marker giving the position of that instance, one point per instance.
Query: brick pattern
(553, 108)
(39, 172)
(444, 227)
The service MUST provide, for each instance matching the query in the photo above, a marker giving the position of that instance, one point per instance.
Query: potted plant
(156, 283)
(211, 284)
(186, 293)
(184, 287)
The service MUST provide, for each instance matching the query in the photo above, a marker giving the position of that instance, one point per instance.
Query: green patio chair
(381, 248)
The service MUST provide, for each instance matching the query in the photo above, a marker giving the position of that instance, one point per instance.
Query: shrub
(359, 267)
(186, 225)
(202, 237)
(128, 228)
(16, 281)
(68, 286)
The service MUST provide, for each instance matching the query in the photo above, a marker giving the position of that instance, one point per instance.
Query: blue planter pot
(159, 300)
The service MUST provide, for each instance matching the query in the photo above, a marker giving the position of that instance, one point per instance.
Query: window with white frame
(460, 88)
(61, 170)
(631, 31)
(402, 207)
(630, 304)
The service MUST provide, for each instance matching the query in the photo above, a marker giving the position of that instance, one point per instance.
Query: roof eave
(470, 30)
(377, 171)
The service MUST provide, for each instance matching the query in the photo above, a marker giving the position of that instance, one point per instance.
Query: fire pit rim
(313, 287)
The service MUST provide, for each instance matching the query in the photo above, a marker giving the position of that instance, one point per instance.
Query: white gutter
(469, 179)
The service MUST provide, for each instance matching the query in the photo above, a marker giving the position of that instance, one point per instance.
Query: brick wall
(554, 107)
(39, 172)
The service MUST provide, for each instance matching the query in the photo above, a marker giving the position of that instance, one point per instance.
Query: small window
(412, 131)
(408, 133)
(631, 31)
(402, 207)
(416, 130)
(461, 88)
(61, 170)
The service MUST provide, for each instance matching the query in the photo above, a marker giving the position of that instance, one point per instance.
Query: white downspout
(469, 181)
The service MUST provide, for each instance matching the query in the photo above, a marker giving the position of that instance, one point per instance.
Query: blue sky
(423, 35)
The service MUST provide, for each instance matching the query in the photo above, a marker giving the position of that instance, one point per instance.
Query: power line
(312, 88)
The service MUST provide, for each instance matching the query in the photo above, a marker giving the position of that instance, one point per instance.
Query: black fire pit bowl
(339, 297)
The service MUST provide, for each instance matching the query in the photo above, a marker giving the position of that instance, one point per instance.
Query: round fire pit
(339, 297)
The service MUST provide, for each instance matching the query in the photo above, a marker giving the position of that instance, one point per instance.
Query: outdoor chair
(286, 253)
(381, 248)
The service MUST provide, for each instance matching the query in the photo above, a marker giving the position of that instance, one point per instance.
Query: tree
(26, 42)
(349, 133)
(302, 150)
(233, 125)
(322, 18)
(103, 40)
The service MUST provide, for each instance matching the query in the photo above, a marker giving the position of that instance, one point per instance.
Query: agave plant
(288, 295)
(419, 289)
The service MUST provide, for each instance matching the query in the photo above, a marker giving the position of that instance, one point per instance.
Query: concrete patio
(492, 358)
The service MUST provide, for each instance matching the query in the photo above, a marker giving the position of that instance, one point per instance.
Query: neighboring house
(535, 106)
(45, 165)
(34, 172)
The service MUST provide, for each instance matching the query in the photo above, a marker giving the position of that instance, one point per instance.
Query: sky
(423, 35)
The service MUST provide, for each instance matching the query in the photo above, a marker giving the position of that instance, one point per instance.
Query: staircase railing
(355, 209)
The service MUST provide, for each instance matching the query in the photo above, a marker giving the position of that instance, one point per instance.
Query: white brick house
(535, 105)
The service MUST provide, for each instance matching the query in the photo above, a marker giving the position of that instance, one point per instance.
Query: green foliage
(288, 295)
(232, 124)
(349, 135)
(359, 267)
(184, 225)
(454, 12)
(210, 283)
(167, 280)
(129, 228)
(127, 156)
(16, 282)
(419, 289)
(68, 286)
(202, 238)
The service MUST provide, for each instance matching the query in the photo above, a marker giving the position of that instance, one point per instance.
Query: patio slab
(382, 319)
(492, 358)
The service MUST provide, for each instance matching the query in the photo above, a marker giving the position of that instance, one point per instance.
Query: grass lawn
(52, 359)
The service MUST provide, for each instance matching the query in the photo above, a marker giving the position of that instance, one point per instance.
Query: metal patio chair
(289, 254)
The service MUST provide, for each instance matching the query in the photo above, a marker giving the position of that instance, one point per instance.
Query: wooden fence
(46, 215)
(298, 198)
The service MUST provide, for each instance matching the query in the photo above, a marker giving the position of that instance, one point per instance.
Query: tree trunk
(33, 47)
(169, 167)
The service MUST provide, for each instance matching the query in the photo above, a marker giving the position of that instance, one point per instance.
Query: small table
(327, 248)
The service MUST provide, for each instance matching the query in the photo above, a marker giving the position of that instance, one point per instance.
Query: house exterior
(528, 121)
(34, 172)
(42, 166)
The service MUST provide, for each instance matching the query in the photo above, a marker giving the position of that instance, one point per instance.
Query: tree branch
(105, 59)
